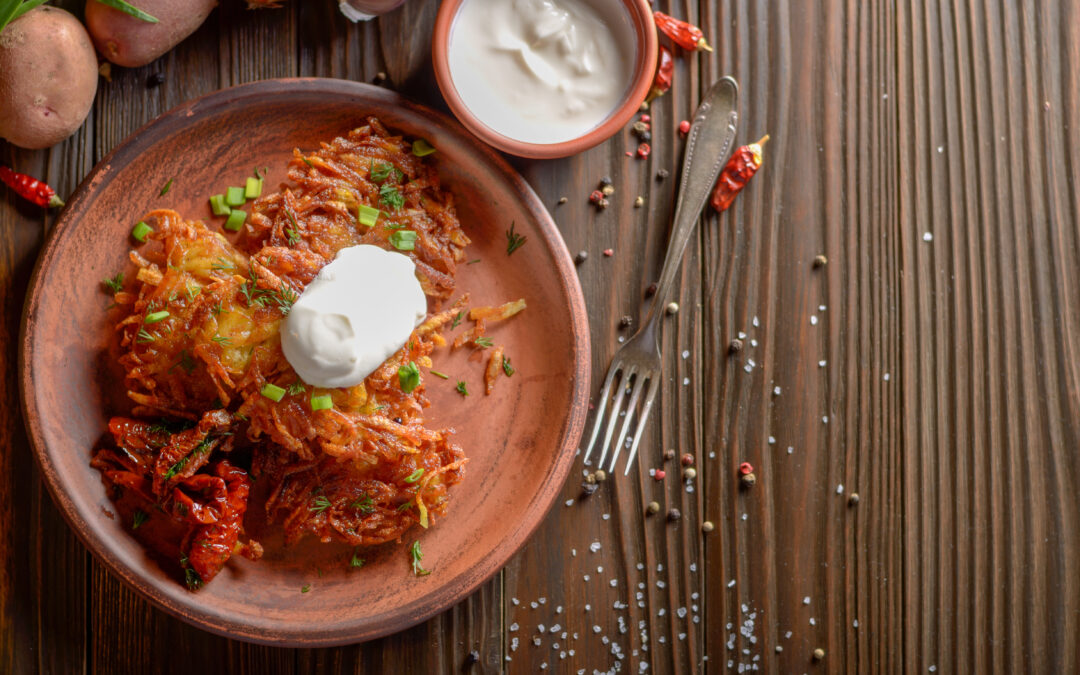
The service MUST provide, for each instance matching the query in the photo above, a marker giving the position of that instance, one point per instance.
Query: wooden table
(929, 150)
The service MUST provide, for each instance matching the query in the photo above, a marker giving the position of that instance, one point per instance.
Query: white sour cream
(358, 311)
(540, 71)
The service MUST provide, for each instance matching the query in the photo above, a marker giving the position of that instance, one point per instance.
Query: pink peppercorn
(629, 154)
(746, 468)
(687, 459)
(643, 150)
(684, 127)
(646, 118)
(660, 474)
(609, 252)
(596, 196)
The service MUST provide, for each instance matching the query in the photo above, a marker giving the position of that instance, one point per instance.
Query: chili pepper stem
(702, 44)
(55, 202)
(764, 139)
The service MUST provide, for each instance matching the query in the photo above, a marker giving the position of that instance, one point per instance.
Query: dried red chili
(665, 71)
(30, 188)
(686, 35)
(739, 170)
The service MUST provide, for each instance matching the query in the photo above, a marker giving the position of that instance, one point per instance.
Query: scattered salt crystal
(536, 641)
(772, 440)
(821, 363)
(932, 669)
(813, 319)
(640, 566)
(941, 148)
(753, 342)
(751, 362)
(806, 600)
(569, 502)
(514, 626)
(694, 596)
(885, 377)
(515, 601)
(540, 628)
(731, 584)
(514, 644)
(755, 322)
(586, 577)
(697, 619)
(558, 610)
(840, 489)
(743, 516)
(660, 584)
(661, 612)
(790, 450)
(573, 552)
(562, 655)
(824, 419)
(745, 609)
(534, 605)
(555, 629)
(693, 567)
(686, 353)
(681, 612)
(776, 391)
(542, 601)
(742, 335)
(588, 607)
(812, 622)
(682, 636)
(821, 308)
(622, 339)
(748, 368)
(660, 567)
(855, 623)
(594, 547)
(927, 236)
(596, 629)
(599, 569)
(614, 583)
(686, 381)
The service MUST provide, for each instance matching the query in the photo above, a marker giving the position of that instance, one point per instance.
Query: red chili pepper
(30, 188)
(686, 35)
(665, 70)
(739, 170)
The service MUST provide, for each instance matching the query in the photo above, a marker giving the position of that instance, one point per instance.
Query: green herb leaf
(222, 340)
(415, 475)
(138, 518)
(383, 170)
(422, 148)
(272, 392)
(356, 561)
(363, 504)
(438, 374)
(192, 579)
(514, 241)
(457, 319)
(297, 387)
(321, 504)
(144, 336)
(324, 402)
(462, 388)
(305, 588)
(391, 196)
(176, 468)
(186, 361)
(14, 9)
(408, 377)
(507, 368)
(115, 284)
(417, 556)
(128, 9)
(165, 190)
(483, 342)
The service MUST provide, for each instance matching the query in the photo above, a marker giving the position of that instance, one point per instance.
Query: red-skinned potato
(131, 42)
(48, 77)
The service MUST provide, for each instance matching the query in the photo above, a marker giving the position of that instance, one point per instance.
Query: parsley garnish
(514, 241)
(115, 284)
(462, 388)
(356, 561)
(391, 196)
(408, 377)
(363, 504)
(138, 518)
(321, 504)
(483, 342)
(383, 170)
(417, 556)
(507, 368)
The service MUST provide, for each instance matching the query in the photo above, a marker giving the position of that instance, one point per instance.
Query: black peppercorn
(650, 290)
(662, 174)
(735, 346)
(674, 515)
(155, 80)
(581, 257)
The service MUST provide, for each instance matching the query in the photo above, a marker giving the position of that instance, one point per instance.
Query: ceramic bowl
(639, 30)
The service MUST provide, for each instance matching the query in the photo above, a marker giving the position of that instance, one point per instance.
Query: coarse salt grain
(731, 584)
(927, 236)
(776, 391)
(813, 319)
(594, 547)
(614, 583)
(569, 502)
(686, 353)
(821, 363)
(686, 381)
(840, 489)
(806, 600)
(772, 440)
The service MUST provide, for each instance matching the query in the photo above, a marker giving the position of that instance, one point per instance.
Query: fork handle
(708, 147)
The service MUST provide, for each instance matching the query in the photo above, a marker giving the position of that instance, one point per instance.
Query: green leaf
(128, 9)
(14, 9)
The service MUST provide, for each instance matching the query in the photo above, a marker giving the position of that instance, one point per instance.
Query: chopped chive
(403, 240)
(438, 374)
(308, 162)
(473, 262)
(218, 205)
(408, 377)
(324, 402)
(367, 215)
(154, 317)
(415, 475)
(236, 220)
(417, 556)
(140, 231)
(422, 148)
(272, 392)
(253, 188)
(165, 190)
(234, 196)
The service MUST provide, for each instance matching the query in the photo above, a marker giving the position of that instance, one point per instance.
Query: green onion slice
(403, 240)
(236, 220)
(234, 196)
(218, 205)
(253, 188)
(367, 215)
(415, 475)
(324, 402)
(409, 377)
(272, 392)
(140, 231)
(154, 317)
(422, 148)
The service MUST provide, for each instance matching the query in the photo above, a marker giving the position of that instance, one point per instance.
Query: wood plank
(989, 331)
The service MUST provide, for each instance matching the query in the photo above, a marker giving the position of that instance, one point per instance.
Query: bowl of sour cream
(544, 78)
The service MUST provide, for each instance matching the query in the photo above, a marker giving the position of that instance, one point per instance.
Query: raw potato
(48, 77)
(131, 42)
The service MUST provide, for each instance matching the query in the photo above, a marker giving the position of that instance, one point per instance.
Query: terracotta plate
(521, 440)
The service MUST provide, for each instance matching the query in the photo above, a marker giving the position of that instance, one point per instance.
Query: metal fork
(708, 146)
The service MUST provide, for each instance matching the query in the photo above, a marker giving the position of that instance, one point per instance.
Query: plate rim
(408, 615)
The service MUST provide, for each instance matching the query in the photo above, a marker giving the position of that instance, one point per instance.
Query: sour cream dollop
(541, 71)
(358, 311)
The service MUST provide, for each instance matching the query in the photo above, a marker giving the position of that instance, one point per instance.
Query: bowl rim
(641, 15)
(547, 491)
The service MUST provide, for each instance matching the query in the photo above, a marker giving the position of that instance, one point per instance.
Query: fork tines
(631, 379)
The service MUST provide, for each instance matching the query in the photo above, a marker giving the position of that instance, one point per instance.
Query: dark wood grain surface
(927, 149)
